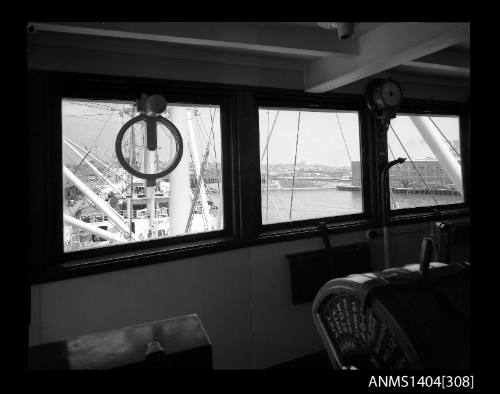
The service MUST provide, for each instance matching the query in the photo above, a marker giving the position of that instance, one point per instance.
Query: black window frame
(241, 171)
(338, 223)
(45, 125)
(441, 211)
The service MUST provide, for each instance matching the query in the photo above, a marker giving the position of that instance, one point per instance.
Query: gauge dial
(391, 93)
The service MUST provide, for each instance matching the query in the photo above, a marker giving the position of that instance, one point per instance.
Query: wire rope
(446, 139)
(294, 165)
(342, 133)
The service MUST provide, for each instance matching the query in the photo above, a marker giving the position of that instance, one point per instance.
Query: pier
(405, 190)
(350, 188)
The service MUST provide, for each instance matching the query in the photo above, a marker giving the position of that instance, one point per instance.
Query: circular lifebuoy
(175, 134)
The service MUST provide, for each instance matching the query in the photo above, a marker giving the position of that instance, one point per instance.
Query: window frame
(442, 211)
(338, 223)
(241, 171)
(47, 124)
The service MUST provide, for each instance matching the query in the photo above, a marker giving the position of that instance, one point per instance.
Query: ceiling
(415, 48)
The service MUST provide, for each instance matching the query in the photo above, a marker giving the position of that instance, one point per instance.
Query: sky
(321, 141)
(97, 124)
(413, 141)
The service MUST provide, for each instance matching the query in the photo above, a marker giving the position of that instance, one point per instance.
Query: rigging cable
(267, 173)
(414, 166)
(201, 128)
(342, 133)
(204, 136)
(198, 187)
(269, 138)
(294, 165)
(83, 115)
(194, 111)
(212, 119)
(202, 172)
(94, 105)
(95, 140)
(106, 157)
(206, 139)
(133, 162)
(446, 139)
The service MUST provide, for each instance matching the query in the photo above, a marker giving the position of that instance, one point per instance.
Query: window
(432, 172)
(317, 158)
(310, 164)
(105, 205)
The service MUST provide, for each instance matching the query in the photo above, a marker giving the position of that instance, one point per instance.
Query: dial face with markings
(360, 338)
(391, 93)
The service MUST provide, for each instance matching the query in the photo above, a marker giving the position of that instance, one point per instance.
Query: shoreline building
(419, 174)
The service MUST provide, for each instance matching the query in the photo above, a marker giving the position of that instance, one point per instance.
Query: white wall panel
(243, 298)
(215, 286)
(283, 331)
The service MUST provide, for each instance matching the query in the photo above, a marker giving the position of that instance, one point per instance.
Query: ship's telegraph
(149, 146)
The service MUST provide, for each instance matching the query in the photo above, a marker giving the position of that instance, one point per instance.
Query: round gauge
(383, 95)
(391, 93)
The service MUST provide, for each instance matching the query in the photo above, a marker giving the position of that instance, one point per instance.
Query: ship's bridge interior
(206, 191)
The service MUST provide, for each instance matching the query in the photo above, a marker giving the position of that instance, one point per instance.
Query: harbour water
(317, 203)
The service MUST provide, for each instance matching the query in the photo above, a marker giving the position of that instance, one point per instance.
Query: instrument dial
(391, 93)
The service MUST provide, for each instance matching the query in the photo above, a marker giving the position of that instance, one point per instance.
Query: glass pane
(310, 164)
(432, 173)
(104, 204)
